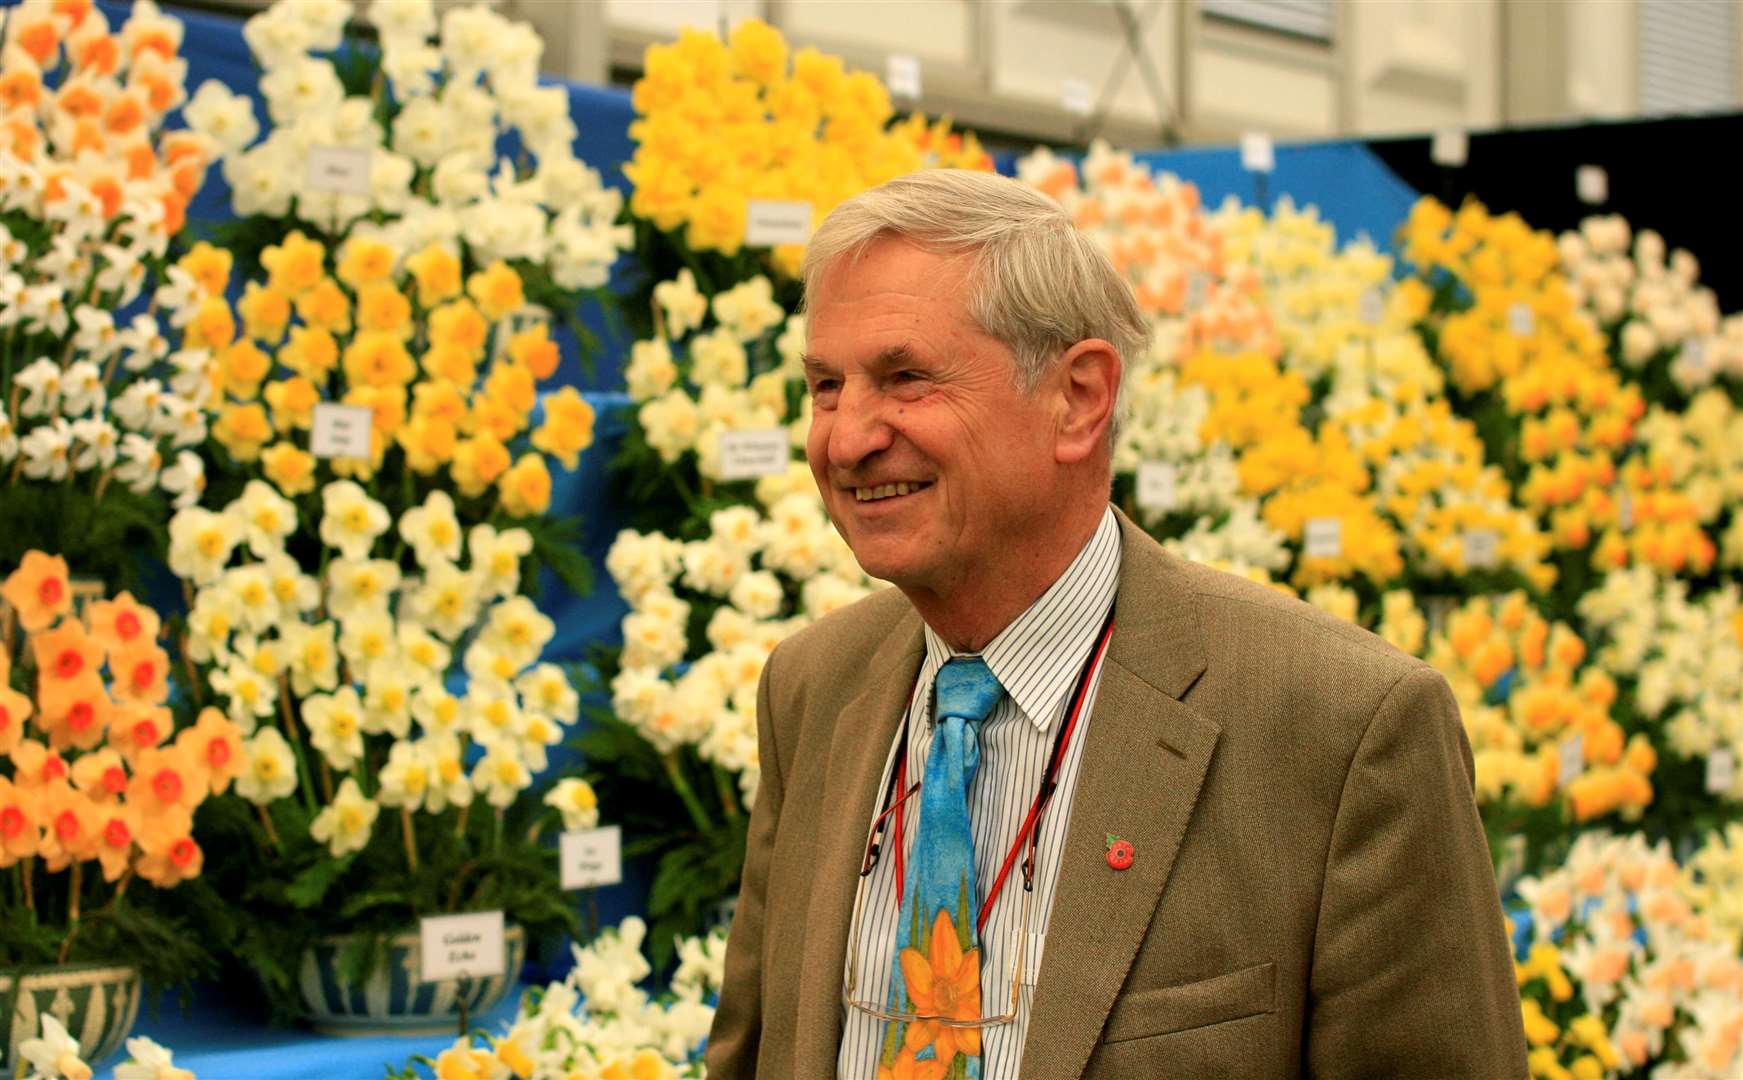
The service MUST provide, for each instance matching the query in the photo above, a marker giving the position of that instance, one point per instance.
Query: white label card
(1371, 308)
(1450, 148)
(1257, 153)
(1721, 770)
(1573, 760)
(1592, 184)
(1076, 97)
(340, 431)
(1324, 538)
(752, 453)
(902, 73)
(1482, 549)
(1521, 319)
(1157, 481)
(769, 222)
(340, 170)
(588, 858)
(461, 946)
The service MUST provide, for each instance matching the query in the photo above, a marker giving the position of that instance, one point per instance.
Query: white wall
(1392, 66)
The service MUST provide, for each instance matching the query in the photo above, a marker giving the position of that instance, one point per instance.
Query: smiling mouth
(889, 491)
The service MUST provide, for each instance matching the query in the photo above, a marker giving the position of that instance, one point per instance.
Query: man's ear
(1088, 387)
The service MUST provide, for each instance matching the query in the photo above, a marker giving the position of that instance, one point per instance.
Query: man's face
(929, 459)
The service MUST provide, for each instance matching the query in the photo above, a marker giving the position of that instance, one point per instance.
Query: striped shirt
(1037, 659)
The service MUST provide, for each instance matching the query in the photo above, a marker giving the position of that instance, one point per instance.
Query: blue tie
(937, 946)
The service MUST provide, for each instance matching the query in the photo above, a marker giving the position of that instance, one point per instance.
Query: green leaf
(310, 886)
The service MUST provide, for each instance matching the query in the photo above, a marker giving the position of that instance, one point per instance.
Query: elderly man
(1061, 804)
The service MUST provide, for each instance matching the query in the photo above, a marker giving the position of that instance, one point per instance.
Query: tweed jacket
(1311, 892)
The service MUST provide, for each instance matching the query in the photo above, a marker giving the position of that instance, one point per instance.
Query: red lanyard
(1030, 829)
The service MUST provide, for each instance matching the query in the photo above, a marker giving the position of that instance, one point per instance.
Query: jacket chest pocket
(1248, 992)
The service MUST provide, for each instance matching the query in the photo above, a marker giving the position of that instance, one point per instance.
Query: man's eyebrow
(893, 357)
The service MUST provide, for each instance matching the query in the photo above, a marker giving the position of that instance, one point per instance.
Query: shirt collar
(1038, 656)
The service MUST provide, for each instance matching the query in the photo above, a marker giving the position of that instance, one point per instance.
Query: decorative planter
(394, 1000)
(96, 1002)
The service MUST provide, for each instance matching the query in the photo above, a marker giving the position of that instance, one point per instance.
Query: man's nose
(858, 429)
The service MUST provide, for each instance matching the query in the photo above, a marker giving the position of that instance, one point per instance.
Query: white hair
(1036, 283)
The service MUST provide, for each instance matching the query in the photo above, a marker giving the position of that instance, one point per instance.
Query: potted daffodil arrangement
(98, 791)
(395, 713)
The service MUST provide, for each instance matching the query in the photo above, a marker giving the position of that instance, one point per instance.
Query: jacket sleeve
(738, 1021)
(1412, 974)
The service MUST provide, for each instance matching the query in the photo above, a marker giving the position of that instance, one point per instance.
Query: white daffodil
(45, 310)
(357, 587)
(547, 690)
(297, 593)
(96, 444)
(487, 663)
(422, 131)
(575, 800)
(389, 686)
(139, 406)
(403, 20)
(147, 1060)
(124, 275)
(350, 520)
(8, 439)
(683, 304)
(520, 629)
(201, 543)
(211, 623)
(447, 600)
(437, 711)
(651, 370)
(501, 775)
(183, 420)
(407, 777)
(432, 530)
(250, 589)
(54, 1055)
(538, 733)
(94, 334)
(251, 695)
(748, 309)
(82, 389)
(419, 648)
(224, 117)
(335, 723)
(311, 656)
(267, 517)
(366, 637)
(492, 714)
(47, 451)
(449, 784)
(496, 557)
(41, 380)
(186, 479)
(344, 825)
(143, 343)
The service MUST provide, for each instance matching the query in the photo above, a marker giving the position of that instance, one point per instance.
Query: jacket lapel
(860, 746)
(1142, 767)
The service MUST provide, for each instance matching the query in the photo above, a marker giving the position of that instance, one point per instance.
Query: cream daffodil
(576, 801)
(201, 543)
(311, 656)
(350, 520)
(407, 776)
(390, 685)
(267, 518)
(335, 723)
(447, 600)
(500, 776)
(357, 588)
(432, 530)
(496, 557)
(344, 825)
(271, 772)
(449, 783)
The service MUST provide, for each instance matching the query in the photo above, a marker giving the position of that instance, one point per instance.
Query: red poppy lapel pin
(1119, 852)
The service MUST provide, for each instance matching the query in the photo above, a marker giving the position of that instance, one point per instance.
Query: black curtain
(1679, 176)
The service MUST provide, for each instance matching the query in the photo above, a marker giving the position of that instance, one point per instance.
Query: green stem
(675, 770)
(728, 794)
(287, 719)
(496, 830)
